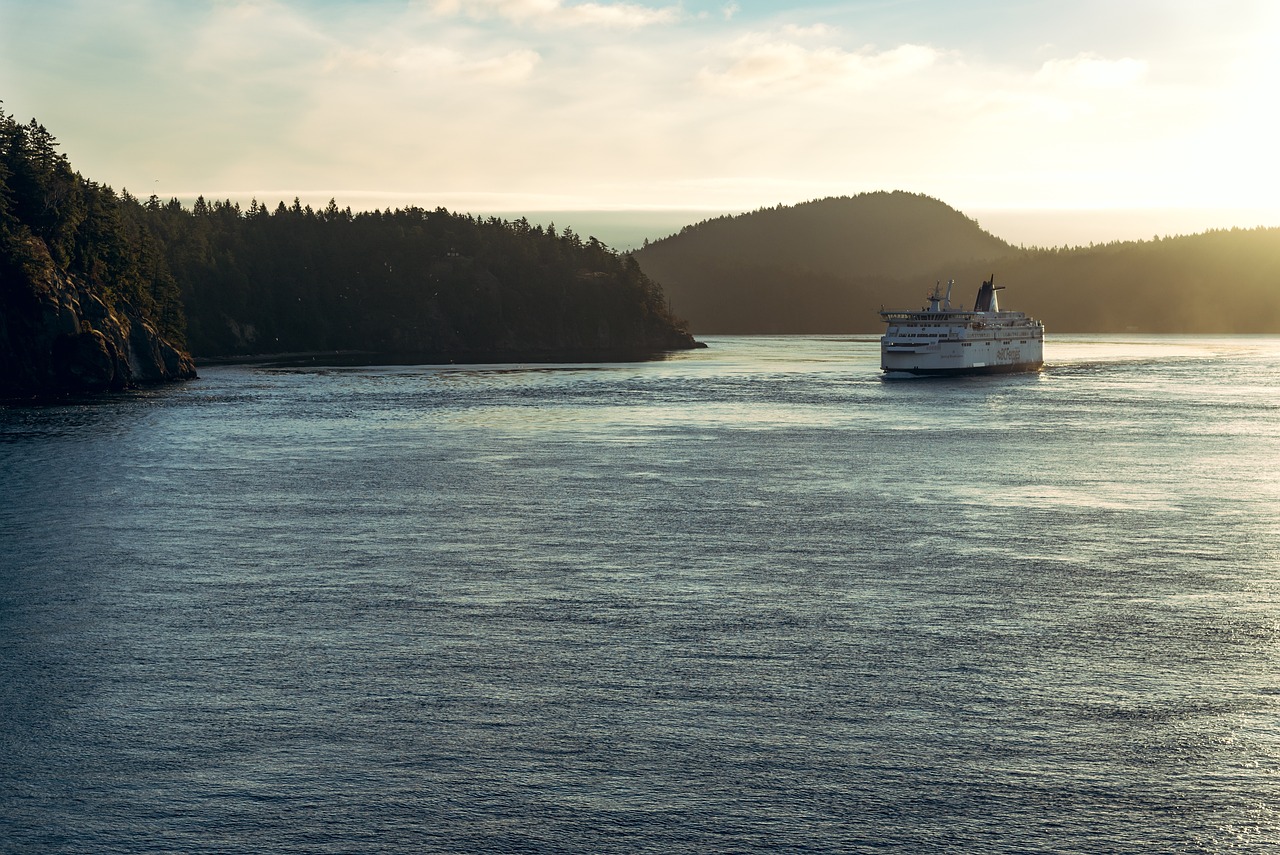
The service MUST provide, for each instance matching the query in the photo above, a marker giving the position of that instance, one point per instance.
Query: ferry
(940, 340)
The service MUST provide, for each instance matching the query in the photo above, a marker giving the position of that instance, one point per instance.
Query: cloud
(763, 63)
(812, 31)
(252, 34)
(432, 61)
(556, 14)
(1088, 71)
(263, 43)
(628, 102)
(1065, 90)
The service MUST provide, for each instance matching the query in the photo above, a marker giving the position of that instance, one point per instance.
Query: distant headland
(826, 267)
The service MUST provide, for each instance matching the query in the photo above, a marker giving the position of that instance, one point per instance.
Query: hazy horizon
(626, 229)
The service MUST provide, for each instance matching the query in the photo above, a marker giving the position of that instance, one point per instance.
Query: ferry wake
(941, 340)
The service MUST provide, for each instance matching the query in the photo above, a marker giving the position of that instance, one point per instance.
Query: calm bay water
(746, 598)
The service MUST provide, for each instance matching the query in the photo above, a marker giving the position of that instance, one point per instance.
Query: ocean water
(743, 599)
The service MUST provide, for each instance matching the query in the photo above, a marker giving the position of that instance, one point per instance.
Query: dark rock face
(57, 336)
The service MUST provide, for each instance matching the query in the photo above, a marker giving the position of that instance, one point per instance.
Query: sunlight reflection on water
(750, 598)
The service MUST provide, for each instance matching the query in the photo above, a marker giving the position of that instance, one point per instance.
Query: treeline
(744, 275)
(1222, 281)
(879, 233)
(48, 211)
(822, 266)
(102, 290)
(293, 279)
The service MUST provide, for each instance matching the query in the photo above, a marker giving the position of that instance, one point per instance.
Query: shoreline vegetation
(827, 266)
(409, 280)
(102, 291)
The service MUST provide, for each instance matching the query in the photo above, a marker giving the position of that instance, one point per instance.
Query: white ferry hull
(941, 341)
(953, 358)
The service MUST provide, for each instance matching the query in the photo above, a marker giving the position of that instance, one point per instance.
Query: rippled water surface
(747, 598)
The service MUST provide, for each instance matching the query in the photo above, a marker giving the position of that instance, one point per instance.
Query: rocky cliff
(58, 336)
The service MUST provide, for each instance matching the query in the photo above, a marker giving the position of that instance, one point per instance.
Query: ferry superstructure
(941, 340)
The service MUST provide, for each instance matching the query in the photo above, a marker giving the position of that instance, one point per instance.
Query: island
(102, 291)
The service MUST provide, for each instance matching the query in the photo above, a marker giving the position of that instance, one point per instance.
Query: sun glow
(658, 105)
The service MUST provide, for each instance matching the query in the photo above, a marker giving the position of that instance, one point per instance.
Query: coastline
(342, 358)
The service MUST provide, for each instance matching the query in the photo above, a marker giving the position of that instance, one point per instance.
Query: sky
(1049, 122)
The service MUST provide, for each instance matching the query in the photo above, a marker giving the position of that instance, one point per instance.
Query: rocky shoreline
(58, 337)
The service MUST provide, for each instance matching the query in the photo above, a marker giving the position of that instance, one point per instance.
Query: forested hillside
(1225, 281)
(412, 282)
(101, 291)
(87, 302)
(897, 234)
(745, 274)
(810, 267)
